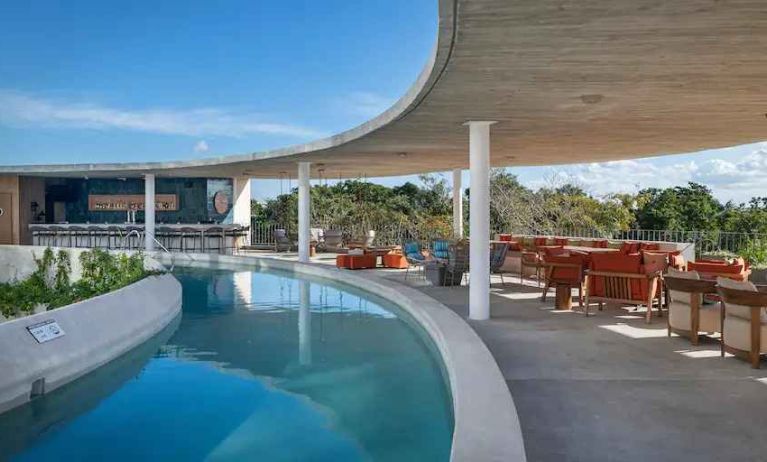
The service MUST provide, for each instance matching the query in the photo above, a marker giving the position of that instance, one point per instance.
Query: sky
(93, 81)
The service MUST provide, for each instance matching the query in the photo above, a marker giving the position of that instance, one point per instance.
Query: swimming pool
(262, 366)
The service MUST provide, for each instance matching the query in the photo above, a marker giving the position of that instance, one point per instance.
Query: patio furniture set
(702, 297)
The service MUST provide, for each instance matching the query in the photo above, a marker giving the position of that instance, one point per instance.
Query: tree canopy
(425, 209)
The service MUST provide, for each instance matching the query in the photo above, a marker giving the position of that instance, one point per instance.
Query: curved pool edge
(96, 331)
(486, 425)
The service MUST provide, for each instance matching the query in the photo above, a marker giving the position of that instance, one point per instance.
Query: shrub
(50, 285)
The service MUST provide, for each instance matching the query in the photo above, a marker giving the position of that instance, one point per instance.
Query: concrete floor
(612, 388)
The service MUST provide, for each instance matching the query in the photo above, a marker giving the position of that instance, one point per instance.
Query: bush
(50, 285)
(755, 252)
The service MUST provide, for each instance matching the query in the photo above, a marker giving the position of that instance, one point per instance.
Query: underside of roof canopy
(567, 81)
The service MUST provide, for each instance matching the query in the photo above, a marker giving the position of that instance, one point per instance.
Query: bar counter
(179, 237)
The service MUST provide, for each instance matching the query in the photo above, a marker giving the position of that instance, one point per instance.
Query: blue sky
(94, 81)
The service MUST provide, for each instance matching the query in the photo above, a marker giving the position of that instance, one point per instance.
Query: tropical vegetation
(50, 285)
(425, 211)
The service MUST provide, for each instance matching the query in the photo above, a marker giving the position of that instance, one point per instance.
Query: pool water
(261, 366)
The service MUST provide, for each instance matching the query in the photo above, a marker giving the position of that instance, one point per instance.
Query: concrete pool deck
(610, 387)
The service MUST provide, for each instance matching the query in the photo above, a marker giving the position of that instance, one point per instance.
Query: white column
(479, 219)
(457, 204)
(149, 205)
(304, 323)
(241, 209)
(304, 211)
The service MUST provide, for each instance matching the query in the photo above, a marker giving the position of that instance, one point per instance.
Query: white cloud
(733, 174)
(19, 109)
(365, 103)
(201, 146)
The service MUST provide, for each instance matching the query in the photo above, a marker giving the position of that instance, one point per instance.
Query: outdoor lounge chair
(281, 241)
(744, 319)
(457, 264)
(498, 259)
(530, 260)
(440, 248)
(566, 270)
(333, 240)
(614, 277)
(414, 255)
(687, 314)
(363, 243)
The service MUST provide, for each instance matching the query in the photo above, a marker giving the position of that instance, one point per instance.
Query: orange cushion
(504, 237)
(560, 241)
(676, 260)
(540, 241)
(601, 244)
(736, 272)
(554, 250)
(649, 246)
(567, 275)
(654, 261)
(617, 263)
(361, 261)
(342, 261)
(514, 245)
(629, 247)
(395, 261)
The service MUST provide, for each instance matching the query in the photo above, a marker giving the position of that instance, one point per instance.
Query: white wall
(97, 331)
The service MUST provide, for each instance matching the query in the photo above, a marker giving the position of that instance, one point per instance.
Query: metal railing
(706, 242)
(262, 233)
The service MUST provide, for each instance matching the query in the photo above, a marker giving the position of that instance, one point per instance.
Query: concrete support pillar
(457, 204)
(304, 323)
(241, 208)
(149, 206)
(304, 211)
(479, 219)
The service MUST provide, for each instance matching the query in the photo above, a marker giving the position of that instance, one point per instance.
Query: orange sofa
(738, 270)
(615, 277)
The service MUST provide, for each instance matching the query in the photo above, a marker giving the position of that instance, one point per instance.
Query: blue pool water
(261, 366)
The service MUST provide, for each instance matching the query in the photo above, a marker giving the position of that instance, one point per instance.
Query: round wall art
(221, 202)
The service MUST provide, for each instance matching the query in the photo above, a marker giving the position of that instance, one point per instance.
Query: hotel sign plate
(46, 331)
(125, 202)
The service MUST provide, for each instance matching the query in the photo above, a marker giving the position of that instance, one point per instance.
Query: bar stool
(97, 235)
(216, 234)
(57, 235)
(77, 234)
(234, 234)
(168, 237)
(114, 237)
(36, 231)
(195, 235)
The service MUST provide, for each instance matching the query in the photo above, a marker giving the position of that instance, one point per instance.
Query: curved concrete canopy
(566, 80)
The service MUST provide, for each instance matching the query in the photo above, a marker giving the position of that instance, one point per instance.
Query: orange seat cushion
(601, 244)
(361, 261)
(560, 241)
(629, 247)
(617, 263)
(567, 275)
(342, 261)
(649, 246)
(540, 241)
(735, 271)
(554, 250)
(395, 261)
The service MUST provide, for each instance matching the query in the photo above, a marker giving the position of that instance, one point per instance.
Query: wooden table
(564, 297)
